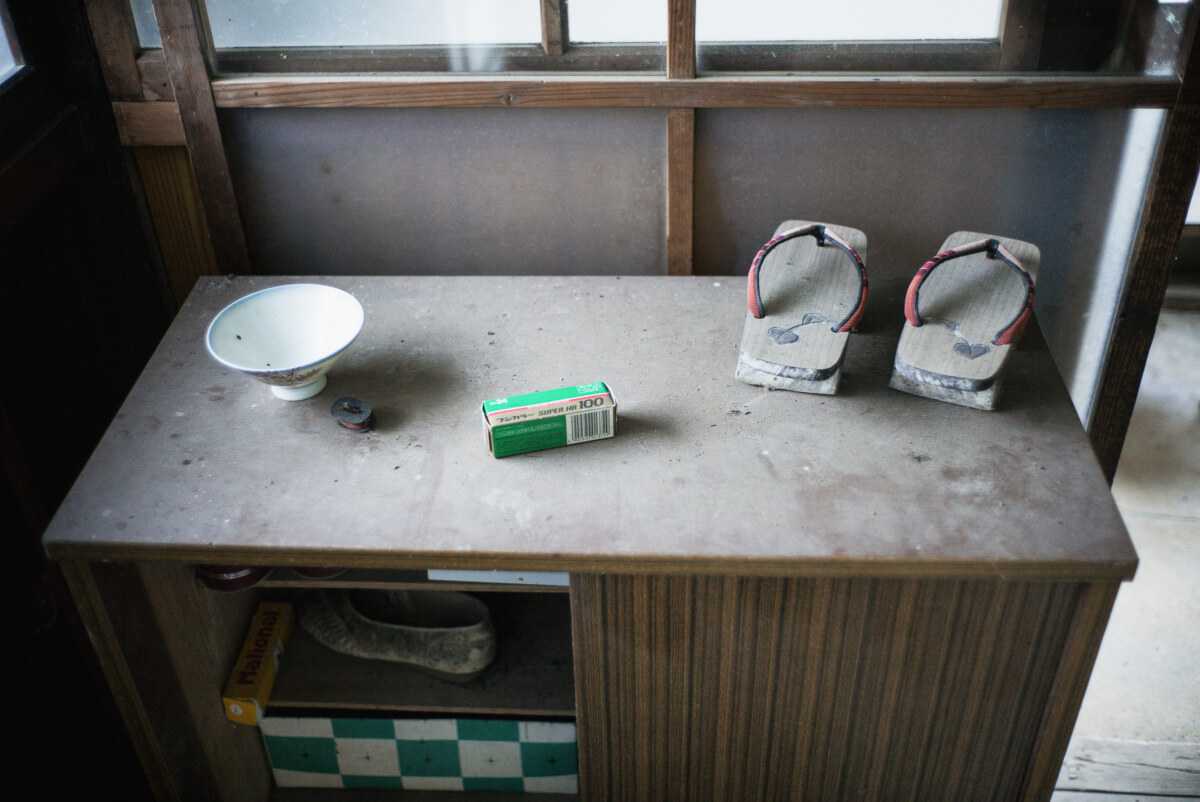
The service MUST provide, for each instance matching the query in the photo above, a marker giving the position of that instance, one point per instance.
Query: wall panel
(451, 191)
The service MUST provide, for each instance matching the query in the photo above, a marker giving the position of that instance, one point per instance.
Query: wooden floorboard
(1099, 796)
(1106, 770)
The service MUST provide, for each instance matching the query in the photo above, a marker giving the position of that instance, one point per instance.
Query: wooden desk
(773, 595)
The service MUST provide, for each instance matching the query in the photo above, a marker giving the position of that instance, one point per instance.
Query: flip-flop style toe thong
(965, 310)
(806, 290)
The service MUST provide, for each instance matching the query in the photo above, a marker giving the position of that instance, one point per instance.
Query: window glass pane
(145, 23)
(367, 23)
(818, 20)
(10, 51)
(598, 21)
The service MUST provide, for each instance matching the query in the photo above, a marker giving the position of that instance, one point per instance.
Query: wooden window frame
(1015, 48)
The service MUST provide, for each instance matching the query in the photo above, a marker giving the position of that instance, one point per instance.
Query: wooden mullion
(174, 204)
(649, 91)
(208, 46)
(681, 39)
(681, 146)
(1170, 190)
(184, 51)
(681, 138)
(115, 37)
(554, 27)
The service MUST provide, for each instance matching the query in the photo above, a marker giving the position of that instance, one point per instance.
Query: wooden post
(681, 139)
(115, 36)
(554, 27)
(1168, 195)
(184, 49)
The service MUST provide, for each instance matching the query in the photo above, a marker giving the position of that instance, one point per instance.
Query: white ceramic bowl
(286, 336)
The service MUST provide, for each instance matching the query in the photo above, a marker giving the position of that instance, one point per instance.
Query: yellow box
(249, 686)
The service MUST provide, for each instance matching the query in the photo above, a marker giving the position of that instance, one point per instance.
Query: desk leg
(166, 647)
(94, 613)
(739, 688)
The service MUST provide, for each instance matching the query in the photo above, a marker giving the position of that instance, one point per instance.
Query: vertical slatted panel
(178, 220)
(594, 734)
(1070, 682)
(763, 688)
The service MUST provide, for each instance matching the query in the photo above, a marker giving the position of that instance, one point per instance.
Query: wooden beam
(554, 27)
(643, 91)
(1021, 24)
(149, 124)
(183, 49)
(1168, 195)
(681, 39)
(681, 146)
(115, 36)
(156, 83)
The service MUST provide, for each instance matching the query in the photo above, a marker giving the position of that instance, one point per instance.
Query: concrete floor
(1137, 738)
(1146, 683)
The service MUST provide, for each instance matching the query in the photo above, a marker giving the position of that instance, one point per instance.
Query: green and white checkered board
(423, 754)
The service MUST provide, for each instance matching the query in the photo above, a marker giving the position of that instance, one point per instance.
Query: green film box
(549, 419)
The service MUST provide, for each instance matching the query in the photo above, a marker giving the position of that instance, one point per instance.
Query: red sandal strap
(822, 234)
(995, 250)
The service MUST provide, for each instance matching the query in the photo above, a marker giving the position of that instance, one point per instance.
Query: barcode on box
(580, 413)
(584, 426)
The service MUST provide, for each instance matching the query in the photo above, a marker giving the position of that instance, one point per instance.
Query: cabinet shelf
(531, 677)
(384, 579)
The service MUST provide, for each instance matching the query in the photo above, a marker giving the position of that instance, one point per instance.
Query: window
(316, 36)
(617, 21)
(372, 23)
(10, 52)
(145, 22)
(862, 20)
